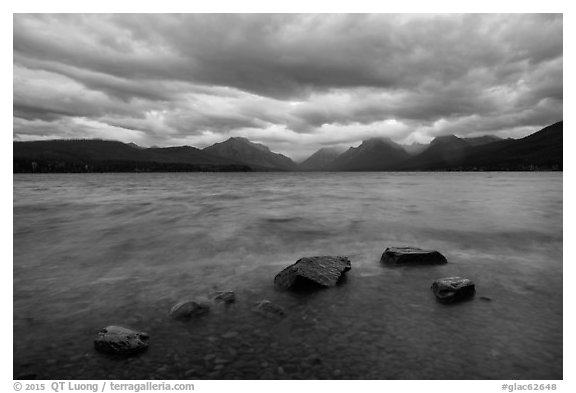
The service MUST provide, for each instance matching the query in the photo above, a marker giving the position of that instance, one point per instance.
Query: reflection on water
(101, 249)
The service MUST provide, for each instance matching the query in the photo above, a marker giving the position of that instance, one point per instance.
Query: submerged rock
(189, 308)
(121, 341)
(269, 309)
(324, 271)
(453, 289)
(412, 256)
(224, 297)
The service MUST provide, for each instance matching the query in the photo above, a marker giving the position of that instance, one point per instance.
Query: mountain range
(541, 150)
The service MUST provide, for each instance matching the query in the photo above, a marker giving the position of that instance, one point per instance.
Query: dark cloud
(286, 79)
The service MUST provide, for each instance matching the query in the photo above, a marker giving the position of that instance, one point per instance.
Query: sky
(294, 82)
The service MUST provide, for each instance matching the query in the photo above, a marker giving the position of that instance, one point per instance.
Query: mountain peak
(321, 159)
(243, 150)
(446, 138)
(375, 140)
(240, 140)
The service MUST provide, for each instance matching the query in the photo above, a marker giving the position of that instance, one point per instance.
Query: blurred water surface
(93, 250)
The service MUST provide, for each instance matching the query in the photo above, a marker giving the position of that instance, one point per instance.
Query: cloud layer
(293, 82)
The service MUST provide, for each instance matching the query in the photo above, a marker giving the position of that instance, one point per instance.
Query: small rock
(453, 289)
(269, 309)
(190, 373)
(486, 298)
(322, 271)
(412, 256)
(226, 297)
(187, 309)
(121, 341)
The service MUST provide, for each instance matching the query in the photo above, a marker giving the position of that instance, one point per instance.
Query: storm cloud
(293, 82)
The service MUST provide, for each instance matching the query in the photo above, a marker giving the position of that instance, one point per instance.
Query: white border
(422, 6)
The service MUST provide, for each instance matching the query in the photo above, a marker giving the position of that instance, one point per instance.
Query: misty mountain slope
(482, 140)
(443, 151)
(372, 155)
(415, 148)
(253, 154)
(100, 155)
(320, 160)
(541, 150)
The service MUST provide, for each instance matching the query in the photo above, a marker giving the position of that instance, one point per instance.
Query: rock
(187, 309)
(485, 298)
(269, 309)
(453, 289)
(226, 297)
(412, 256)
(121, 341)
(324, 271)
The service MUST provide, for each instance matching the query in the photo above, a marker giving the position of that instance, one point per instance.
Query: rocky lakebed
(307, 275)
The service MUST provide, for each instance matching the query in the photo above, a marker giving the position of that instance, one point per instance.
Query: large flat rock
(412, 256)
(453, 289)
(324, 271)
(119, 340)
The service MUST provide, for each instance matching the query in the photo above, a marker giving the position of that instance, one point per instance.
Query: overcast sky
(292, 82)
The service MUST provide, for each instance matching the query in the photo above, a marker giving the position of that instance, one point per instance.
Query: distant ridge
(93, 155)
(321, 159)
(543, 150)
(539, 151)
(253, 154)
(376, 154)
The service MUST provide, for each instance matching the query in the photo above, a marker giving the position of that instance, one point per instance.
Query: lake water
(94, 250)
